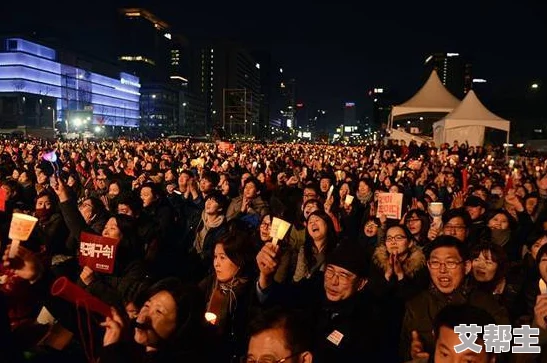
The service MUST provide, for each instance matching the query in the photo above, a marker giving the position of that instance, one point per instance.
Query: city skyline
(337, 52)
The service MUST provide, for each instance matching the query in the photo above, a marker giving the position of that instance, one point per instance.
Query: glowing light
(50, 156)
(167, 35)
(179, 78)
(535, 86)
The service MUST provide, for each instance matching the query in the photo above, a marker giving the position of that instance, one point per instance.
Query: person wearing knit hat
(349, 321)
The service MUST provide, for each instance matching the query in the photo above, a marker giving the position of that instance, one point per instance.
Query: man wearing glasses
(348, 323)
(279, 336)
(448, 263)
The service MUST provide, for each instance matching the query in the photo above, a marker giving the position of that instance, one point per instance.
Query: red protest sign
(98, 252)
(2, 200)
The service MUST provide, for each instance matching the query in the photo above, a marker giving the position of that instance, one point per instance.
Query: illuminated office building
(40, 87)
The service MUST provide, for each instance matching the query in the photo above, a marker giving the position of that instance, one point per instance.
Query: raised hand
(267, 264)
(540, 311)
(114, 328)
(25, 264)
(59, 187)
(417, 347)
(87, 276)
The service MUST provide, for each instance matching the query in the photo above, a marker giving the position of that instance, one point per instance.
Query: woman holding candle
(229, 292)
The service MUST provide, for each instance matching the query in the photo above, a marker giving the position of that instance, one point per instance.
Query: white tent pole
(507, 148)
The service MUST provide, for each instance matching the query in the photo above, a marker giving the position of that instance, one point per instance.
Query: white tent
(433, 97)
(468, 122)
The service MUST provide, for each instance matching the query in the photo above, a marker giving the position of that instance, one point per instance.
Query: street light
(535, 86)
(52, 118)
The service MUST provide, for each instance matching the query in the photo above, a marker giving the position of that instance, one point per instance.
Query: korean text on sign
(98, 252)
(390, 205)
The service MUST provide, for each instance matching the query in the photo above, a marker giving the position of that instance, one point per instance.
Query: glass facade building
(30, 70)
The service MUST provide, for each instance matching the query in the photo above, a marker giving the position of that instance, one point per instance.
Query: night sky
(337, 51)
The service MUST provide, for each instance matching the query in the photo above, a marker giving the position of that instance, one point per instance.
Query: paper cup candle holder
(278, 229)
(436, 210)
(20, 229)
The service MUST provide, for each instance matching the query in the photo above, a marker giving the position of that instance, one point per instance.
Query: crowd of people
(199, 276)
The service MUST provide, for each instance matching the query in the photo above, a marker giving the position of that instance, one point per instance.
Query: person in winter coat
(445, 337)
(51, 224)
(229, 292)
(349, 323)
(399, 265)
(492, 273)
(249, 206)
(448, 263)
(205, 229)
(170, 327)
(398, 273)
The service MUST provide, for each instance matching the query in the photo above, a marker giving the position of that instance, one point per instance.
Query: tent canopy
(433, 97)
(467, 122)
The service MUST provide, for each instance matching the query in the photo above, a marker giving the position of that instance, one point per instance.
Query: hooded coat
(395, 293)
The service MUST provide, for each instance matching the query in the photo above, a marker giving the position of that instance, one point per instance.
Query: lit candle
(211, 318)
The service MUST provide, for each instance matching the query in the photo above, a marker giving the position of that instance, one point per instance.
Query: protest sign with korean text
(98, 252)
(390, 205)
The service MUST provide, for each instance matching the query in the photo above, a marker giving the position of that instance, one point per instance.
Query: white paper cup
(435, 209)
(21, 226)
(282, 229)
(349, 199)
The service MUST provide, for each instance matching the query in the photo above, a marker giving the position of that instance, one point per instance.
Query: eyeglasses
(450, 265)
(343, 278)
(267, 359)
(397, 238)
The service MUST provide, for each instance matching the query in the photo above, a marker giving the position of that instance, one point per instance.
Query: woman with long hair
(319, 241)
(418, 223)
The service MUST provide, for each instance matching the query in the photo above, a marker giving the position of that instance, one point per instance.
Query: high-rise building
(453, 70)
(267, 86)
(315, 120)
(350, 114)
(229, 83)
(152, 50)
(41, 87)
(287, 89)
(382, 101)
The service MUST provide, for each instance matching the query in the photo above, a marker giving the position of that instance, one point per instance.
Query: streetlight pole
(52, 118)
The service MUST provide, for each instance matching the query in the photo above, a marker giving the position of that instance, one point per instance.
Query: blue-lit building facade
(41, 87)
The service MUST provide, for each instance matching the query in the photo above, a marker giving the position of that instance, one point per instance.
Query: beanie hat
(352, 257)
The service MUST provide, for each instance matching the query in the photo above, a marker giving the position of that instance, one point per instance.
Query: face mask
(501, 236)
(43, 213)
